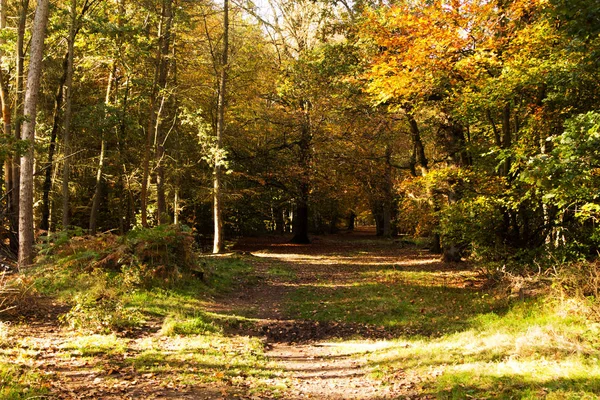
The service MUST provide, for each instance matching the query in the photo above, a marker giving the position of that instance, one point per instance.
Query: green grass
(537, 349)
(190, 348)
(410, 302)
(207, 358)
(107, 301)
(462, 342)
(91, 345)
(198, 324)
(18, 382)
(282, 272)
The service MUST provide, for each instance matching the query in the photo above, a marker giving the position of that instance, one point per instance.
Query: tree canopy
(473, 123)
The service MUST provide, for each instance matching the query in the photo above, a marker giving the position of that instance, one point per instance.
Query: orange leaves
(421, 47)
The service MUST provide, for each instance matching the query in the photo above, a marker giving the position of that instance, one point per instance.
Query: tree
(217, 195)
(30, 109)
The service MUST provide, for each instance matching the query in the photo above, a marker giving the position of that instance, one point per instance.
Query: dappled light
(300, 199)
(339, 319)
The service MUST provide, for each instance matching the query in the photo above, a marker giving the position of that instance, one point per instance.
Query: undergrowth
(117, 284)
(122, 287)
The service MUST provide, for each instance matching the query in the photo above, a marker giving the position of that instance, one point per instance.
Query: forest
(334, 199)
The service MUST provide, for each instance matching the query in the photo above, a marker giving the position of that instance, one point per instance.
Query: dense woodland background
(471, 123)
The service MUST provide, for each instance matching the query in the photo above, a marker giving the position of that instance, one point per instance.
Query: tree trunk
(18, 113)
(279, 219)
(100, 170)
(176, 206)
(387, 193)
(47, 185)
(418, 153)
(30, 109)
(377, 211)
(217, 193)
(124, 204)
(7, 125)
(153, 135)
(163, 68)
(351, 221)
(300, 226)
(506, 137)
(67, 116)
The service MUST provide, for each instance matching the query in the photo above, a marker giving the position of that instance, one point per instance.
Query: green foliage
(188, 325)
(115, 284)
(473, 223)
(143, 256)
(568, 179)
(18, 382)
(101, 315)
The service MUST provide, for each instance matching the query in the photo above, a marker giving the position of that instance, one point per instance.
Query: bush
(472, 224)
(98, 273)
(144, 256)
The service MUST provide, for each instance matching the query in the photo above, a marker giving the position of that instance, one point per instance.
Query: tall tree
(220, 129)
(101, 158)
(30, 109)
(6, 118)
(68, 94)
(13, 172)
(154, 137)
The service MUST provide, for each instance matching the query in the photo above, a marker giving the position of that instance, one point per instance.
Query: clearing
(350, 316)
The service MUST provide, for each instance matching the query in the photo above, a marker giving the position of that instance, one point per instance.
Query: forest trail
(321, 357)
(321, 312)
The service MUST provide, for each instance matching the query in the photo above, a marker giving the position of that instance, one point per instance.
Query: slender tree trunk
(146, 166)
(68, 88)
(506, 136)
(30, 109)
(217, 187)
(124, 200)
(300, 226)
(148, 151)
(163, 68)
(387, 193)
(176, 206)
(18, 113)
(47, 185)
(418, 153)
(351, 221)
(7, 125)
(153, 129)
(98, 191)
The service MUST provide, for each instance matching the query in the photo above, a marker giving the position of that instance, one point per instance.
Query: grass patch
(535, 350)
(198, 324)
(209, 358)
(105, 300)
(423, 303)
(282, 272)
(19, 382)
(225, 274)
(92, 345)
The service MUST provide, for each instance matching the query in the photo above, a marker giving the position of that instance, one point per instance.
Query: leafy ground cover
(348, 317)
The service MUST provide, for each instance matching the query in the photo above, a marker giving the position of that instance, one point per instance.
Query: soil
(318, 360)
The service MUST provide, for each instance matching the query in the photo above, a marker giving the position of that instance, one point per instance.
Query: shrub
(144, 255)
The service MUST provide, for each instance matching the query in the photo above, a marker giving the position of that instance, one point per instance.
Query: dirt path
(306, 357)
(323, 359)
